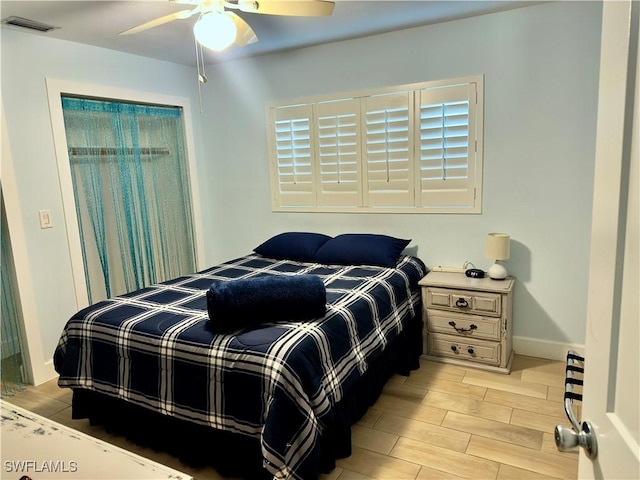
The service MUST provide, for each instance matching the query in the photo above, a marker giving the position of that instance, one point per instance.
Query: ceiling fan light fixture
(215, 30)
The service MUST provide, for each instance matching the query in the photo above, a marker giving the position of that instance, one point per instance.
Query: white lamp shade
(215, 30)
(498, 246)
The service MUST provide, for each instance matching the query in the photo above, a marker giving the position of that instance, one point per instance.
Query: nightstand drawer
(482, 303)
(464, 349)
(468, 326)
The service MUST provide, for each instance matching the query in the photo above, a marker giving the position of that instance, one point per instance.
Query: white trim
(534, 347)
(39, 370)
(55, 88)
(377, 91)
(410, 210)
(47, 372)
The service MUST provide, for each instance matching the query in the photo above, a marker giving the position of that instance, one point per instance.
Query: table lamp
(498, 249)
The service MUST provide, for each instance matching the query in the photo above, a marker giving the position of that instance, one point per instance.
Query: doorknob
(568, 439)
(576, 435)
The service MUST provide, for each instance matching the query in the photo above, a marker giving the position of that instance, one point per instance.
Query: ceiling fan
(218, 26)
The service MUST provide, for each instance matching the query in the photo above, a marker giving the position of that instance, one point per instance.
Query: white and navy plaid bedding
(278, 381)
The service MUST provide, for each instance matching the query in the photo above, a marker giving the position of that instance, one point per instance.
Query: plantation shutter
(338, 153)
(293, 172)
(447, 146)
(388, 150)
(412, 148)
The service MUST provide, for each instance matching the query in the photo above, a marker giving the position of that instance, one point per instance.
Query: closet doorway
(13, 362)
(131, 189)
(125, 177)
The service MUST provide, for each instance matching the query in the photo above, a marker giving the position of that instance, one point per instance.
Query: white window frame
(343, 168)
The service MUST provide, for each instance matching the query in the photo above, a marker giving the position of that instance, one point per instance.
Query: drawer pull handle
(462, 303)
(470, 351)
(454, 348)
(472, 327)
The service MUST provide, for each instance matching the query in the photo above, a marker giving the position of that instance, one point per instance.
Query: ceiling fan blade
(161, 21)
(300, 8)
(245, 35)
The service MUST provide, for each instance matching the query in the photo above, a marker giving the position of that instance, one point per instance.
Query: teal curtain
(129, 172)
(12, 366)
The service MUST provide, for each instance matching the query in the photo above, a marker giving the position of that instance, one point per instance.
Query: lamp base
(497, 272)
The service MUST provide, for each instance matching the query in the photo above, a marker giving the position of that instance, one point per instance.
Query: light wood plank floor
(442, 422)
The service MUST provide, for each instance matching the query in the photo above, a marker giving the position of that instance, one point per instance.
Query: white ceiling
(99, 22)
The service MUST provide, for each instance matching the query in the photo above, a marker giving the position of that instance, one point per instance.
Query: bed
(274, 399)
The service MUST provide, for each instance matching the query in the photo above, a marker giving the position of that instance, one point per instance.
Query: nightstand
(468, 321)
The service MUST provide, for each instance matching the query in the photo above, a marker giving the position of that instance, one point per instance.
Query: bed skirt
(236, 455)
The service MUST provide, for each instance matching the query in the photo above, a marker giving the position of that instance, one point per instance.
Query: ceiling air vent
(30, 24)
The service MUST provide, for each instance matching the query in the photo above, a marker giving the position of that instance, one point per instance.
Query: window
(411, 149)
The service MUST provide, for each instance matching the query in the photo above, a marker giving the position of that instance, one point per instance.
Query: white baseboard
(534, 347)
(45, 373)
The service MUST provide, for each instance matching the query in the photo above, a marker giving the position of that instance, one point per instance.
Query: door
(129, 173)
(611, 380)
(12, 357)
(56, 89)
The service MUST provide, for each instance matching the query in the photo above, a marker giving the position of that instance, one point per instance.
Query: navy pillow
(247, 302)
(362, 249)
(298, 246)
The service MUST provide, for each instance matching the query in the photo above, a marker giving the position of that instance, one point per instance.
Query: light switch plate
(45, 219)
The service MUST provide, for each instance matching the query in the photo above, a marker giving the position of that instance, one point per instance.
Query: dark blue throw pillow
(362, 249)
(251, 301)
(298, 246)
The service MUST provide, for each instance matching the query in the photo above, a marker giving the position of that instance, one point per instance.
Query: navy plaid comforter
(155, 348)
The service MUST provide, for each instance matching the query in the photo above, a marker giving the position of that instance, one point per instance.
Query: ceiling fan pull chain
(202, 77)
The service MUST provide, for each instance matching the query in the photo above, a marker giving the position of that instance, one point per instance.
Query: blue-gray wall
(541, 76)
(541, 66)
